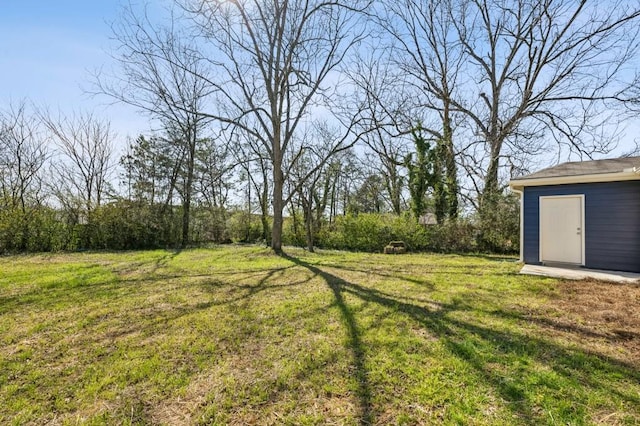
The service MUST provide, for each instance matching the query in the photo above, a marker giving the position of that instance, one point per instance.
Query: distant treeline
(126, 225)
(73, 194)
(323, 124)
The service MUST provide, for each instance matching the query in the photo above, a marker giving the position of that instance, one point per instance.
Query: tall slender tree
(23, 156)
(160, 73)
(430, 60)
(273, 60)
(85, 164)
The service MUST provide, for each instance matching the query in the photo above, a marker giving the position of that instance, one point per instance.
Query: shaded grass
(237, 335)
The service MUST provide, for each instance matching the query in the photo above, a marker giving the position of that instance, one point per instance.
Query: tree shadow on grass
(102, 334)
(489, 351)
(493, 257)
(337, 285)
(93, 281)
(479, 346)
(479, 270)
(269, 280)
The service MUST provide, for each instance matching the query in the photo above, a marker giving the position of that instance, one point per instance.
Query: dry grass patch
(602, 315)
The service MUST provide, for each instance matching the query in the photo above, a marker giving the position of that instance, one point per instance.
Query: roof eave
(629, 174)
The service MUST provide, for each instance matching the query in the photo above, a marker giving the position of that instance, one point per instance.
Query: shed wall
(612, 223)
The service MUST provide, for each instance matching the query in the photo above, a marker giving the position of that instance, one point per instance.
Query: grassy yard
(236, 335)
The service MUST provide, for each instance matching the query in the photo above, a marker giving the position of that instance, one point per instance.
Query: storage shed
(582, 213)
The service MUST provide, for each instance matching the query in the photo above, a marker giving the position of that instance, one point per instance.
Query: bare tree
(429, 60)
(85, 163)
(214, 162)
(311, 179)
(161, 74)
(273, 61)
(556, 66)
(255, 162)
(23, 155)
(516, 72)
(375, 80)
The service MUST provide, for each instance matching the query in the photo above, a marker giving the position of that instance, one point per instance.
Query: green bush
(126, 225)
(244, 227)
(452, 237)
(38, 229)
(499, 225)
(293, 231)
(370, 232)
(209, 226)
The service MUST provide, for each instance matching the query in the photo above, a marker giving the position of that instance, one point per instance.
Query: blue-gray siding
(612, 223)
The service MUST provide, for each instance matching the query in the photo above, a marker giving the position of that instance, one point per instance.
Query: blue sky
(48, 50)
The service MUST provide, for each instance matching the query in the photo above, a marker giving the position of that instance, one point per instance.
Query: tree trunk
(186, 205)
(439, 188)
(333, 207)
(264, 207)
(278, 184)
(264, 216)
(309, 227)
(392, 183)
(491, 179)
(264, 219)
(186, 212)
(23, 218)
(450, 165)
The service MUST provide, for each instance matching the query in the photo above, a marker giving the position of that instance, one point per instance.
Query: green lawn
(237, 335)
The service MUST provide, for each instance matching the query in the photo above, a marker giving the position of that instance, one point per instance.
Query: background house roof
(579, 168)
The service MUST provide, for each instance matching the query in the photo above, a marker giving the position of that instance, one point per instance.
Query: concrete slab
(581, 274)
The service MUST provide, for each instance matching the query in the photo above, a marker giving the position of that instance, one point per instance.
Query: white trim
(563, 180)
(584, 231)
(521, 195)
(583, 227)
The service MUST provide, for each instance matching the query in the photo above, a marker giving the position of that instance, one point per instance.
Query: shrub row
(371, 232)
(119, 225)
(125, 225)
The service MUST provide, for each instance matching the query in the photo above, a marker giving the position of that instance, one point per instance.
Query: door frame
(582, 227)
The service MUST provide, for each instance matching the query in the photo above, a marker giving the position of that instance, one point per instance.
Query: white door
(561, 229)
